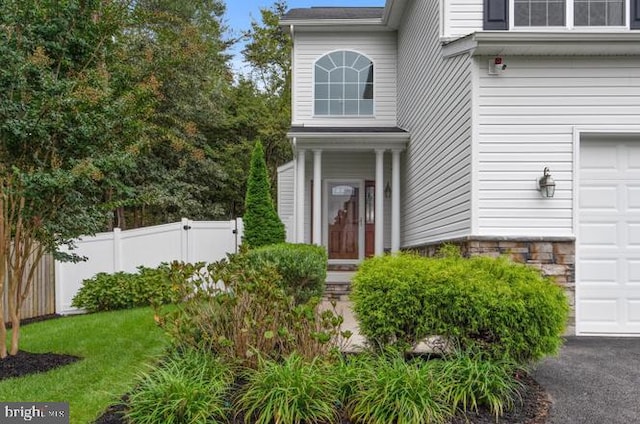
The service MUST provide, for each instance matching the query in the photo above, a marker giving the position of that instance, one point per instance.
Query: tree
(262, 225)
(268, 51)
(71, 117)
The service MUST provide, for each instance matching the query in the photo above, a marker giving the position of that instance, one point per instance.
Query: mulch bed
(26, 363)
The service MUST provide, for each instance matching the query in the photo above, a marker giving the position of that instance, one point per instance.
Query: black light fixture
(387, 190)
(546, 185)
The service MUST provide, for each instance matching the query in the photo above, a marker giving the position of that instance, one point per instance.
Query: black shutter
(496, 14)
(635, 14)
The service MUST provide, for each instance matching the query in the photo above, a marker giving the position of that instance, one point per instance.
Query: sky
(240, 13)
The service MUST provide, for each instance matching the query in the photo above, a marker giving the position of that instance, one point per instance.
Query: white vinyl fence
(188, 241)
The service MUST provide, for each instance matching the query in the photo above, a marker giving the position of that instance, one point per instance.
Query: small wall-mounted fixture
(546, 185)
(497, 66)
(387, 190)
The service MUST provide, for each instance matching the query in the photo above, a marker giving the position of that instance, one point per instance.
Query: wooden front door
(343, 201)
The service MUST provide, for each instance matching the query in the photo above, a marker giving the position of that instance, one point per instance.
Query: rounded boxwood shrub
(492, 306)
(302, 267)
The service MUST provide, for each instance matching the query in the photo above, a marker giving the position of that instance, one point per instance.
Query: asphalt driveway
(593, 380)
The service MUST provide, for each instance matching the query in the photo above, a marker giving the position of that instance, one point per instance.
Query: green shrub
(189, 387)
(488, 305)
(294, 391)
(252, 316)
(471, 382)
(121, 290)
(302, 267)
(389, 297)
(388, 389)
(262, 226)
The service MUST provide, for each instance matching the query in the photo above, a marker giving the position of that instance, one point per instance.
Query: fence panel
(189, 241)
(41, 298)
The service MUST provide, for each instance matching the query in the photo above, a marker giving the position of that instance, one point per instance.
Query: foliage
(471, 382)
(250, 315)
(122, 290)
(262, 226)
(63, 139)
(179, 169)
(114, 347)
(302, 268)
(389, 297)
(391, 390)
(188, 387)
(294, 391)
(268, 52)
(489, 305)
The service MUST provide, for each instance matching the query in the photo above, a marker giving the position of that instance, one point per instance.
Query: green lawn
(114, 347)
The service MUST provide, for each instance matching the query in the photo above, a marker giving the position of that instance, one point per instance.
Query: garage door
(608, 287)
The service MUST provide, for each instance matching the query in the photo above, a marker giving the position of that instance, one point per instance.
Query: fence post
(184, 240)
(239, 231)
(117, 250)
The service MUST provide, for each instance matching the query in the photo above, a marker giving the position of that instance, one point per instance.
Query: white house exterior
(447, 138)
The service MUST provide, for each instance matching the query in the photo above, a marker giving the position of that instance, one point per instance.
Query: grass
(113, 345)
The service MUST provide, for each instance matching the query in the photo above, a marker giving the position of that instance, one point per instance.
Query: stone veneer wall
(555, 257)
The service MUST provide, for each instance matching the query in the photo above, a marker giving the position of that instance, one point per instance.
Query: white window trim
(313, 87)
(569, 18)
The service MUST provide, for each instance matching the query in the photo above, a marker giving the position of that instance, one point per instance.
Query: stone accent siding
(554, 257)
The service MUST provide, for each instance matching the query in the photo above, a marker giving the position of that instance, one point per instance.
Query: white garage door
(608, 287)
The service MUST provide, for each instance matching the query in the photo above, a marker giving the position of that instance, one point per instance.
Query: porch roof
(348, 138)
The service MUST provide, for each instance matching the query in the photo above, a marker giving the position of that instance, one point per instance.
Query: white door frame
(360, 183)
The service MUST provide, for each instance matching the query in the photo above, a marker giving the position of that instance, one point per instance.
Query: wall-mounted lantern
(546, 185)
(387, 191)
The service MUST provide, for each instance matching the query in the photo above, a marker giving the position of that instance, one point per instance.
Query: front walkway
(594, 380)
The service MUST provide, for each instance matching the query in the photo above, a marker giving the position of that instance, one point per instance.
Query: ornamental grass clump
(294, 391)
(190, 386)
(471, 382)
(390, 389)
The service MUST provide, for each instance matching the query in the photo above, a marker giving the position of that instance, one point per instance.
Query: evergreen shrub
(302, 268)
(492, 306)
(122, 290)
(262, 226)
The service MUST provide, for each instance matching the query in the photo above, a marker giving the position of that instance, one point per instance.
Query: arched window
(343, 84)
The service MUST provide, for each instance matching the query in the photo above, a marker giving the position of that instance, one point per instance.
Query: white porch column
(395, 200)
(317, 197)
(379, 206)
(300, 173)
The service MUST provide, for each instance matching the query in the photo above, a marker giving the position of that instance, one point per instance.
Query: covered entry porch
(347, 190)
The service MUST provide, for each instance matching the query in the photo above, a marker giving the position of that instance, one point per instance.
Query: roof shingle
(333, 13)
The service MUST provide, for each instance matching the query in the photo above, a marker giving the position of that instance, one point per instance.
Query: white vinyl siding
(526, 121)
(435, 107)
(380, 47)
(347, 166)
(462, 17)
(286, 186)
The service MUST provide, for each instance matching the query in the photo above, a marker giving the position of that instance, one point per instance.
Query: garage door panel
(633, 198)
(599, 234)
(599, 310)
(597, 271)
(633, 272)
(633, 234)
(608, 289)
(633, 311)
(601, 198)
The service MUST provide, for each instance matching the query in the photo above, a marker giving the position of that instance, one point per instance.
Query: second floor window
(554, 13)
(343, 85)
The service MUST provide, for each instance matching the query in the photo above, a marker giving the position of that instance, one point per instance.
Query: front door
(343, 204)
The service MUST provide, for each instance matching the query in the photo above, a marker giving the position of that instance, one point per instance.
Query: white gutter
(545, 43)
